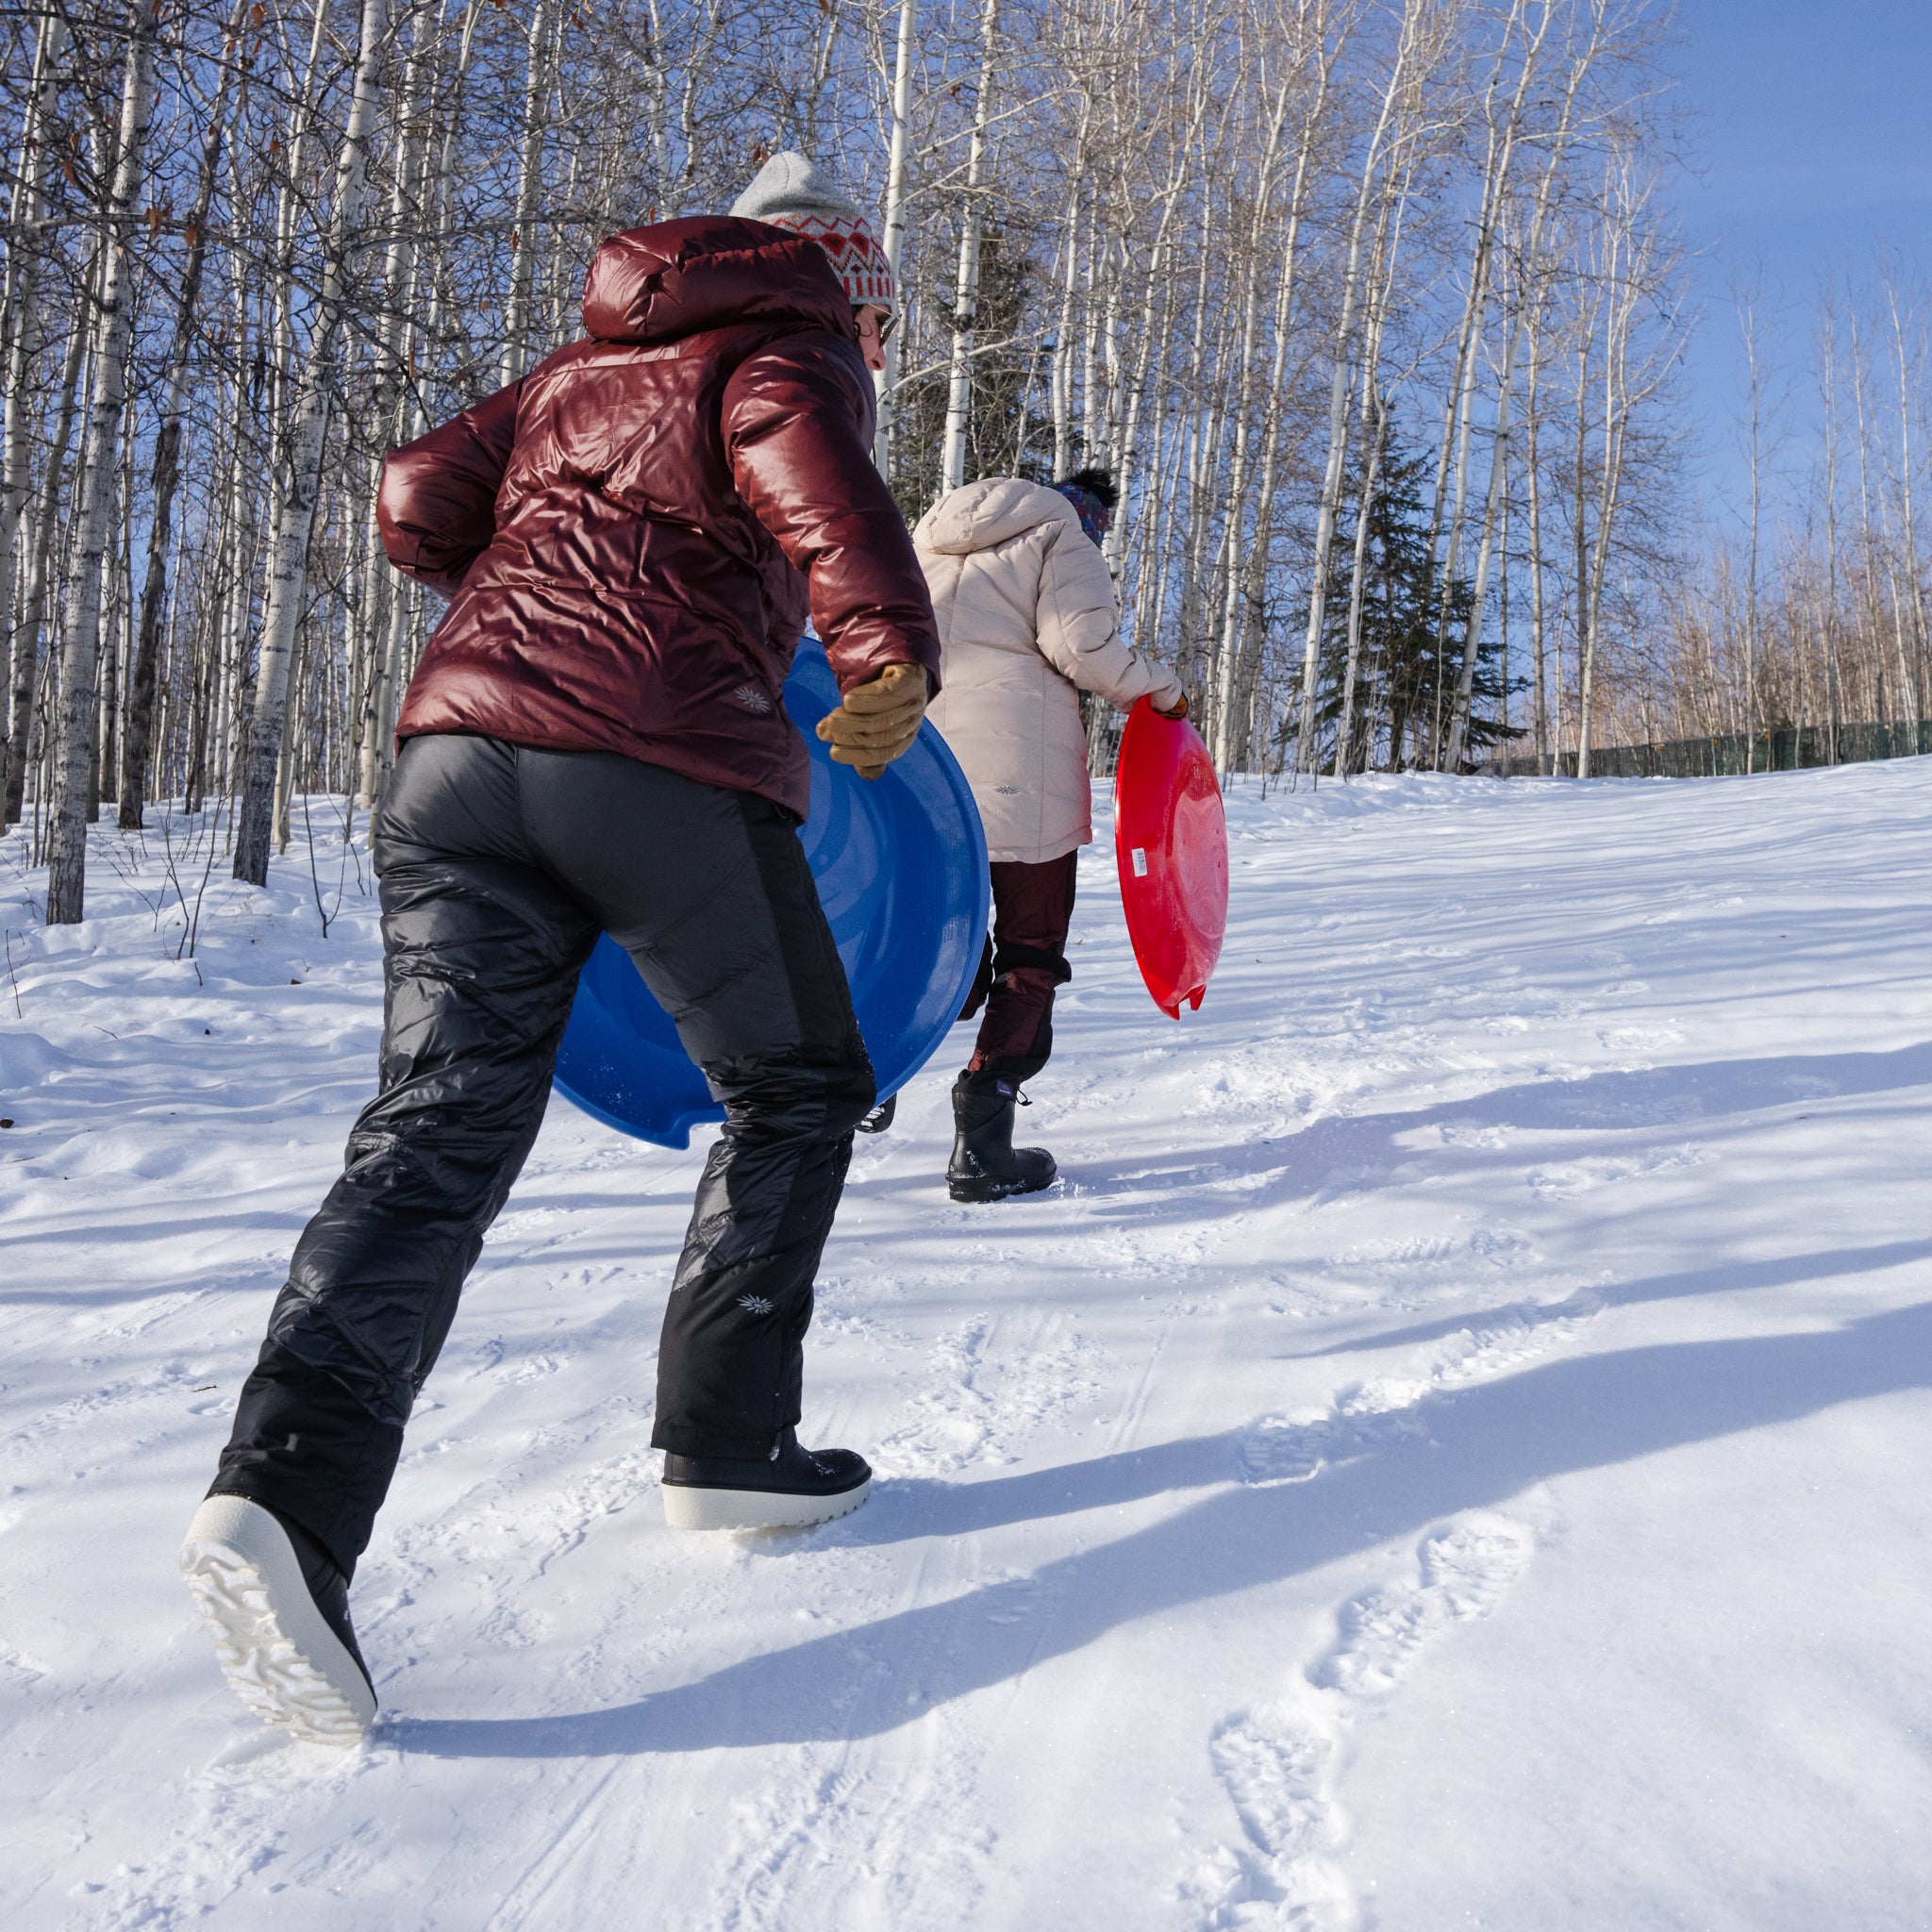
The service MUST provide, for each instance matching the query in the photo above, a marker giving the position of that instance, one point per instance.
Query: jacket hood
(671, 279)
(993, 511)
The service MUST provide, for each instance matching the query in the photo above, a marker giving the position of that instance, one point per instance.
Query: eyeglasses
(887, 323)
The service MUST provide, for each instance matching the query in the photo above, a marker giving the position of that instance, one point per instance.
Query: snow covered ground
(1453, 1451)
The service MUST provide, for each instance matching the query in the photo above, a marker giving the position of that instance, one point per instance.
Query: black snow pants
(499, 866)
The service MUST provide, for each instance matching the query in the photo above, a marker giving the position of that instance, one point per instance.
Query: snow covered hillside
(1453, 1450)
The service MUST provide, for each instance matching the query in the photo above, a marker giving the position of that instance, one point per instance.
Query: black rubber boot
(986, 1166)
(791, 1489)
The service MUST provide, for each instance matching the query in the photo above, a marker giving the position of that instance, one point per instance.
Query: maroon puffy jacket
(635, 532)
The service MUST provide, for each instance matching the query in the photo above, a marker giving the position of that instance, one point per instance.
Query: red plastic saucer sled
(1170, 842)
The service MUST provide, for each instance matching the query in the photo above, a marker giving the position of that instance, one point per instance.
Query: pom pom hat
(791, 192)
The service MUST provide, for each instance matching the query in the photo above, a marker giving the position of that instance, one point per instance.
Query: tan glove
(1178, 710)
(878, 720)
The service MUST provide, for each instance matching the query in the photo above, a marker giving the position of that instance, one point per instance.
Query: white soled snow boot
(790, 1488)
(280, 1651)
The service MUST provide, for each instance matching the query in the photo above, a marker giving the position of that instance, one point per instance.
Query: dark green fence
(1715, 757)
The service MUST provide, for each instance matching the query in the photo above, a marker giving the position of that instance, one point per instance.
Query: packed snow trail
(1451, 1450)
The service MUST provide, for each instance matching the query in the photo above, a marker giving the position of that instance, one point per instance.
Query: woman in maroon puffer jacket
(633, 536)
(629, 532)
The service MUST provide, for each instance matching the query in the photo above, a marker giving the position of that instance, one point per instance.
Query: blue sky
(1812, 126)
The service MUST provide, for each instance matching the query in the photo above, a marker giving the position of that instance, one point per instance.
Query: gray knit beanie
(793, 192)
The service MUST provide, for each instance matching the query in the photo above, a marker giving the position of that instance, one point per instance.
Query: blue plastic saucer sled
(902, 874)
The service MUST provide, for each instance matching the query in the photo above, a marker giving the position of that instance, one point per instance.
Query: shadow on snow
(1482, 1446)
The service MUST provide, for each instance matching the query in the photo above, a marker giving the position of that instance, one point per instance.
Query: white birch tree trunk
(1828, 386)
(295, 508)
(399, 285)
(25, 251)
(1477, 294)
(896, 229)
(1630, 284)
(1374, 418)
(1062, 379)
(1913, 581)
(1499, 453)
(966, 292)
(26, 641)
(1755, 402)
(1502, 149)
(1374, 430)
(1230, 564)
(516, 320)
(94, 501)
(1342, 355)
(1312, 30)
(136, 740)
(1539, 696)
(1129, 451)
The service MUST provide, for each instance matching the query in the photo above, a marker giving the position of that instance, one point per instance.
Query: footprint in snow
(1297, 1446)
(1466, 1570)
(1511, 1337)
(1639, 1039)
(1560, 1180)
(1279, 1762)
(1281, 1449)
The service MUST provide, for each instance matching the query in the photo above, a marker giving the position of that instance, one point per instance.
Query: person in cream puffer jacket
(1027, 621)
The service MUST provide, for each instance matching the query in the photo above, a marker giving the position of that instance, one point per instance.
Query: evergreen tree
(1401, 681)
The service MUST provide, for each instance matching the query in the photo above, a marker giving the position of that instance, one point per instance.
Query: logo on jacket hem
(754, 698)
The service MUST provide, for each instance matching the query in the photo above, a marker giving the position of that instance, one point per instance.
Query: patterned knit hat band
(856, 258)
(794, 193)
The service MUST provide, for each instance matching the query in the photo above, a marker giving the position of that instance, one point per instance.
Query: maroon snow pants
(1025, 959)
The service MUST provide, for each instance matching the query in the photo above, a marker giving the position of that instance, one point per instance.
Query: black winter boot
(791, 1489)
(278, 1611)
(986, 1166)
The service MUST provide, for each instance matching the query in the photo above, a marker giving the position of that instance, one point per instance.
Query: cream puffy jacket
(1027, 623)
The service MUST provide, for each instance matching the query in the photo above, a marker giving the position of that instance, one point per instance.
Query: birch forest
(1374, 309)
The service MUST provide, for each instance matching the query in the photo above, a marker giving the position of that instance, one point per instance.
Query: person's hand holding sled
(878, 720)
